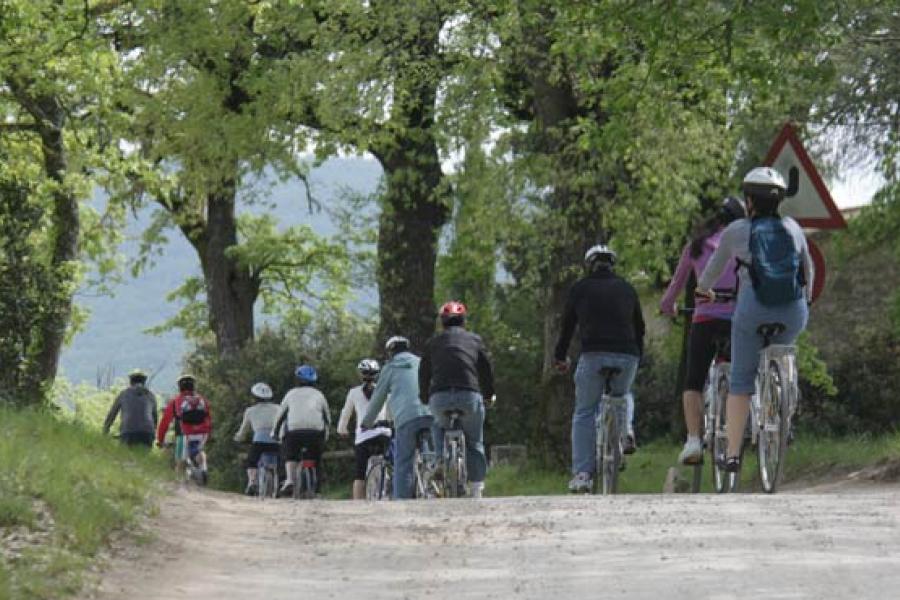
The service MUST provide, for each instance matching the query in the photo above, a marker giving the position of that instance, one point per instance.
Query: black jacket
(455, 358)
(607, 311)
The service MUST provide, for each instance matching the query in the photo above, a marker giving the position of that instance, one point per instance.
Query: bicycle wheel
(455, 470)
(612, 453)
(375, 478)
(722, 480)
(772, 442)
(696, 478)
(262, 483)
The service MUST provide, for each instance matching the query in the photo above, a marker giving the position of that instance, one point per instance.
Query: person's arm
(425, 374)
(640, 327)
(679, 280)
(809, 267)
(168, 415)
(113, 413)
(726, 249)
(346, 412)
(326, 410)
(282, 415)
(485, 371)
(244, 429)
(570, 319)
(208, 415)
(154, 409)
(379, 397)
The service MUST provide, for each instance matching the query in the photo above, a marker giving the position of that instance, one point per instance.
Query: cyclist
(711, 324)
(193, 424)
(365, 443)
(398, 385)
(775, 280)
(259, 420)
(302, 422)
(456, 374)
(139, 412)
(607, 311)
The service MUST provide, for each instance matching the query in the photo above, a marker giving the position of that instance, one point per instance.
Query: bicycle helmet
(732, 209)
(396, 344)
(368, 368)
(307, 374)
(186, 382)
(137, 376)
(599, 253)
(453, 313)
(261, 391)
(764, 182)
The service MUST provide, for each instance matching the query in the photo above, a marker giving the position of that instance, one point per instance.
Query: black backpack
(193, 409)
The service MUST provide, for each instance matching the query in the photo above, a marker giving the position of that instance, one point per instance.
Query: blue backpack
(774, 263)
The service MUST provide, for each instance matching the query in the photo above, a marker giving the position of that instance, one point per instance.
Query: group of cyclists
(746, 246)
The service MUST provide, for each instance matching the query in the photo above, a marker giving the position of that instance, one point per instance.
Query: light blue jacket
(398, 385)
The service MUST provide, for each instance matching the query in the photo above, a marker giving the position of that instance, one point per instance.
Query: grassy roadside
(64, 489)
(809, 459)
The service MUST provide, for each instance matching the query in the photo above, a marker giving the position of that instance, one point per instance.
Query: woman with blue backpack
(775, 282)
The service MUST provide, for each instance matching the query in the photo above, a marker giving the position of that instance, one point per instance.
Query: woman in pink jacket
(711, 324)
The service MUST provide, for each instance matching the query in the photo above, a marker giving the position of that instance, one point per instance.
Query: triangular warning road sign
(807, 200)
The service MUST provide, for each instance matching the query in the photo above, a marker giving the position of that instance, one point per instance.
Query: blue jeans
(472, 422)
(746, 342)
(588, 391)
(404, 453)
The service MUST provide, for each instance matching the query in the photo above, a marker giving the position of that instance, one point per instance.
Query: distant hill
(113, 341)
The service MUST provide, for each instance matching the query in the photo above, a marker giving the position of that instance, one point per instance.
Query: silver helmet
(368, 368)
(599, 252)
(764, 182)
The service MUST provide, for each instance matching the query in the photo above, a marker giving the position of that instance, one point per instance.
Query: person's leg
(472, 422)
(404, 451)
(439, 403)
(588, 389)
(290, 450)
(745, 347)
(361, 453)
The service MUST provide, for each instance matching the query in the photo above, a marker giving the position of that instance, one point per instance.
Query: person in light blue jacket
(398, 385)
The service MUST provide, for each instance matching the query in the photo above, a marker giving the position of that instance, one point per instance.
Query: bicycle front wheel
(377, 479)
(772, 442)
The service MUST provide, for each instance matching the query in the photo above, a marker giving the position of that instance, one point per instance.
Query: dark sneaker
(628, 445)
(286, 491)
(251, 490)
(732, 464)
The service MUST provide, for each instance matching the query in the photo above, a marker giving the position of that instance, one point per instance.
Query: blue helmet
(307, 374)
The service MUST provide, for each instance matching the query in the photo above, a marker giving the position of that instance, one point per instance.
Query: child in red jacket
(193, 424)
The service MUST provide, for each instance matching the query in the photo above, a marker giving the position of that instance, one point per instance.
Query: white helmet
(764, 182)
(262, 391)
(394, 343)
(599, 252)
(368, 367)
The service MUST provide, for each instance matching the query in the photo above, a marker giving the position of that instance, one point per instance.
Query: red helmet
(453, 310)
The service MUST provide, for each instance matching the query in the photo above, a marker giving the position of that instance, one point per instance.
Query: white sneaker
(477, 488)
(582, 482)
(692, 453)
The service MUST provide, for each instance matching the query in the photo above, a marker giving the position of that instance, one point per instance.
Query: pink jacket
(707, 310)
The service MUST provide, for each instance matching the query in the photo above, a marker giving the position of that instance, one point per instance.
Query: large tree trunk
(411, 219)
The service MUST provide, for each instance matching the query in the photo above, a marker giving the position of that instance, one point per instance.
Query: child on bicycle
(193, 424)
(398, 385)
(711, 322)
(302, 424)
(259, 420)
(366, 443)
(775, 277)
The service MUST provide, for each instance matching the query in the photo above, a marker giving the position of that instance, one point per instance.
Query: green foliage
(72, 483)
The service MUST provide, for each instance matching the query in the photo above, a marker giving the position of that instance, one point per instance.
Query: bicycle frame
(610, 428)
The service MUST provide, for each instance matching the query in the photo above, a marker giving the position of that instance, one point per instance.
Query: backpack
(192, 409)
(774, 263)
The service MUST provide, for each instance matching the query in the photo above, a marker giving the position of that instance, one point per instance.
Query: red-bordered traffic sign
(819, 265)
(808, 200)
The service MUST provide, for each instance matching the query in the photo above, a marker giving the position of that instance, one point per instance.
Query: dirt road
(794, 545)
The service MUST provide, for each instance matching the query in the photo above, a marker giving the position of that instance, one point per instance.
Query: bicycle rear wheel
(307, 483)
(723, 481)
(772, 442)
(262, 482)
(376, 479)
(455, 472)
(612, 453)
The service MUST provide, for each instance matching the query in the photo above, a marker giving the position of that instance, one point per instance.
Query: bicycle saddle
(453, 413)
(770, 330)
(609, 372)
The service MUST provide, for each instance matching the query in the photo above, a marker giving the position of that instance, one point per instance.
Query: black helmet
(732, 209)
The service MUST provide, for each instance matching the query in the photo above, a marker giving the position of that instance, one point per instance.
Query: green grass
(88, 484)
(808, 459)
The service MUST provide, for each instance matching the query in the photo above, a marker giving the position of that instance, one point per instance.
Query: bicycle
(305, 481)
(380, 474)
(267, 476)
(453, 457)
(192, 472)
(610, 428)
(427, 486)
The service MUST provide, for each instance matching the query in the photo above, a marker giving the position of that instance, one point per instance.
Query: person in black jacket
(607, 311)
(456, 374)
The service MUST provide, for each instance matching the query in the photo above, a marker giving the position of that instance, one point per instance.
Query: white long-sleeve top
(259, 420)
(358, 402)
(304, 408)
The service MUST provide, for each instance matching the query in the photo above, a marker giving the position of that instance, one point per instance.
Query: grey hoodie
(398, 385)
(139, 411)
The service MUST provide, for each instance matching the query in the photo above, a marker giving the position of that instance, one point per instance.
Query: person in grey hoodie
(398, 385)
(139, 412)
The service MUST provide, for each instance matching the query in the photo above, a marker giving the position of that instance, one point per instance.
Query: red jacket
(173, 411)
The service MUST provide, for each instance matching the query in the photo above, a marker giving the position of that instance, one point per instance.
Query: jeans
(746, 342)
(588, 391)
(404, 453)
(471, 405)
(137, 438)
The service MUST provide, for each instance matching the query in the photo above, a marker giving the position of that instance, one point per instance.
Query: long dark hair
(730, 209)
